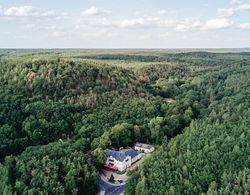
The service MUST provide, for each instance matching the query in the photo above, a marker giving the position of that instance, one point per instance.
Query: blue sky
(124, 24)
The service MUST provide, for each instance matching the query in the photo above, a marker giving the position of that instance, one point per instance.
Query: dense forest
(60, 109)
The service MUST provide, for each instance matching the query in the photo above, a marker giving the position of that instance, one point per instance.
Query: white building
(146, 148)
(121, 160)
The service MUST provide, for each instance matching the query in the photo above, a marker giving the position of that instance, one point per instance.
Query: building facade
(146, 148)
(122, 159)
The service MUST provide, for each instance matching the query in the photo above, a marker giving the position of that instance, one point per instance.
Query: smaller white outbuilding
(146, 148)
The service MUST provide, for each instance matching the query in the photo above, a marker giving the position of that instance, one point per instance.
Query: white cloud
(245, 26)
(243, 7)
(165, 23)
(93, 11)
(217, 23)
(97, 22)
(126, 23)
(26, 11)
(226, 12)
(235, 1)
(231, 11)
(188, 24)
(143, 22)
(104, 22)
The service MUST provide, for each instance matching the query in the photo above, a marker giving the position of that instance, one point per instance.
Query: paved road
(110, 189)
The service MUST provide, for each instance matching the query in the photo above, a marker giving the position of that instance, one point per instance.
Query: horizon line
(120, 48)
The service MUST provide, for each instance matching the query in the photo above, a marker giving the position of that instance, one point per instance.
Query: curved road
(110, 189)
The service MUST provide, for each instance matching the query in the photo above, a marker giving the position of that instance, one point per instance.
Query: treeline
(187, 58)
(207, 158)
(57, 168)
(212, 155)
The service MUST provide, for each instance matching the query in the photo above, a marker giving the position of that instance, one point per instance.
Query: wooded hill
(60, 109)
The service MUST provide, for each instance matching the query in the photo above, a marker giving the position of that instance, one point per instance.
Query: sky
(124, 24)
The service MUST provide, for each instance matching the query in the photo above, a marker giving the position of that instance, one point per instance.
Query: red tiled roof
(109, 166)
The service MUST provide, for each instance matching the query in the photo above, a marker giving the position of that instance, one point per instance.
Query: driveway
(107, 174)
(110, 189)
